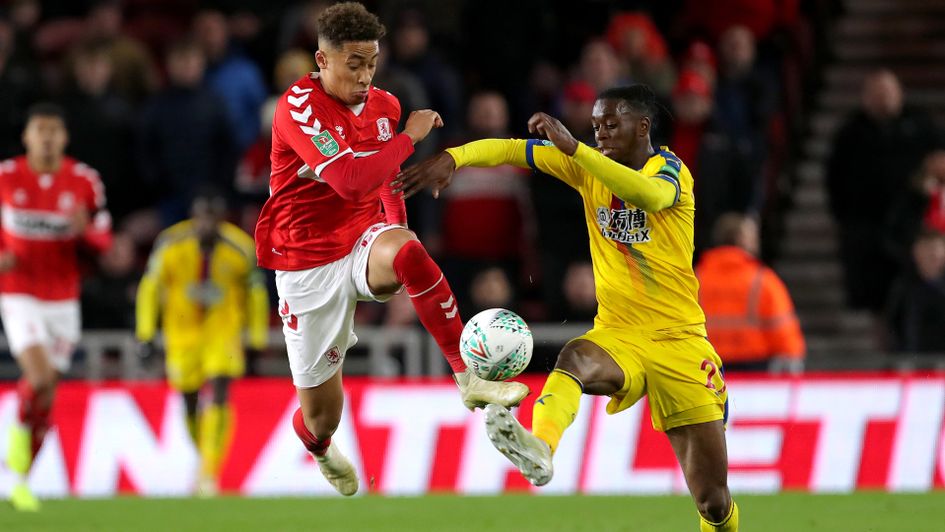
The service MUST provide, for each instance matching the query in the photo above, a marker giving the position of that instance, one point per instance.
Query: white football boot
(478, 392)
(338, 471)
(530, 454)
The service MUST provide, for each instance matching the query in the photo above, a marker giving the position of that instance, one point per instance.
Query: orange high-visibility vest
(749, 313)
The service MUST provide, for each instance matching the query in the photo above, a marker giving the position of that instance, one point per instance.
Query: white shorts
(54, 325)
(317, 310)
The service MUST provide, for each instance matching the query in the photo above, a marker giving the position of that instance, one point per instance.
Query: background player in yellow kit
(649, 333)
(202, 274)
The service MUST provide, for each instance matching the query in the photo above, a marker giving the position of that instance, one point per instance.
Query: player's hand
(419, 124)
(435, 173)
(553, 130)
(7, 261)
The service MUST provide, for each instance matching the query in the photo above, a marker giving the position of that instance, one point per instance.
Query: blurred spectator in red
(486, 216)
(185, 140)
(921, 205)
(231, 75)
(600, 67)
(412, 52)
(761, 17)
(108, 296)
(577, 104)
(641, 46)
(692, 107)
(101, 127)
(749, 313)
(134, 75)
(916, 310)
(253, 170)
(19, 88)
(700, 58)
(579, 292)
(874, 153)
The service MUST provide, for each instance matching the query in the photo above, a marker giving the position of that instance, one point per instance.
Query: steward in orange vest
(749, 314)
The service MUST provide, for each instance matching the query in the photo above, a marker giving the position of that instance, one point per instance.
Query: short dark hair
(45, 109)
(349, 21)
(639, 97)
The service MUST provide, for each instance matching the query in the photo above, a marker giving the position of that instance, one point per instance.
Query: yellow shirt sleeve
(650, 193)
(536, 154)
(147, 302)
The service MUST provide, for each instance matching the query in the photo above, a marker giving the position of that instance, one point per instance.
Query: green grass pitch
(861, 512)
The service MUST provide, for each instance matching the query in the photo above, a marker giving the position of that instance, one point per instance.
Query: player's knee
(714, 503)
(390, 244)
(573, 361)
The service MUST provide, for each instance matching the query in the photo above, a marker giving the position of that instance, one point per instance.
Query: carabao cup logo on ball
(496, 344)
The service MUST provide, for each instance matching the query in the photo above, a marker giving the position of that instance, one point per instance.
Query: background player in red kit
(334, 152)
(50, 204)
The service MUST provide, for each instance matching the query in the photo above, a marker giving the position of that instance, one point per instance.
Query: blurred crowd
(886, 185)
(164, 97)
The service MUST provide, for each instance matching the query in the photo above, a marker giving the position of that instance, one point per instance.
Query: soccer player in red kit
(49, 205)
(335, 151)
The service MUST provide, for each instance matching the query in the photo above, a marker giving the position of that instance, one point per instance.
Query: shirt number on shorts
(708, 365)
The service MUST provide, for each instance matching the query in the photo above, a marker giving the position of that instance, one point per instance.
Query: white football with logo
(496, 344)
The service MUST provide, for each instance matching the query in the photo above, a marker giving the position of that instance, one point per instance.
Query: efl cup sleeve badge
(384, 132)
(326, 144)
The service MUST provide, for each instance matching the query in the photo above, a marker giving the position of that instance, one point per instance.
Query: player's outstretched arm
(647, 193)
(436, 173)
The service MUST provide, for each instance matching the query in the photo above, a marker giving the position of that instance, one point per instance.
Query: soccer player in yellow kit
(649, 335)
(202, 274)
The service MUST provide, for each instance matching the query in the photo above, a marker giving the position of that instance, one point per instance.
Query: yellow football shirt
(640, 225)
(205, 302)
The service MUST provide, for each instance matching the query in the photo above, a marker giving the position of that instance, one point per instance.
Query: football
(496, 344)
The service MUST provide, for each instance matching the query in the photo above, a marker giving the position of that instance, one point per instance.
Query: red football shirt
(331, 165)
(36, 226)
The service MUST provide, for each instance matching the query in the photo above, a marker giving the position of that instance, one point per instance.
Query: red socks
(432, 298)
(311, 443)
(33, 415)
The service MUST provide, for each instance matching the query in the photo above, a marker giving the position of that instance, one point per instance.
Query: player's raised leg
(582, 367)
(702, 454)
(315, 423)
(398, 259)
(35, 391)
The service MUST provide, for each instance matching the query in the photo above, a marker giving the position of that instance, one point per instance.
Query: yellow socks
(192, 427)
(556, 407)
(215, 424)
(19, 449)
(729, 524)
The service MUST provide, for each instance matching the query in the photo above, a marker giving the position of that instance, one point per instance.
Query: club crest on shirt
(384, 132)
(326, 144)
(628, 226)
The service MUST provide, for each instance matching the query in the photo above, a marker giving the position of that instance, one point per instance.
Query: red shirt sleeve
(331, 160)
(98, 234)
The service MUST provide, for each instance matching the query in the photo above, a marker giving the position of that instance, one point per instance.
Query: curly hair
(349, 21)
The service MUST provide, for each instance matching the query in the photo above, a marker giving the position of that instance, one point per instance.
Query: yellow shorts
(681, 374)
(189, 368)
